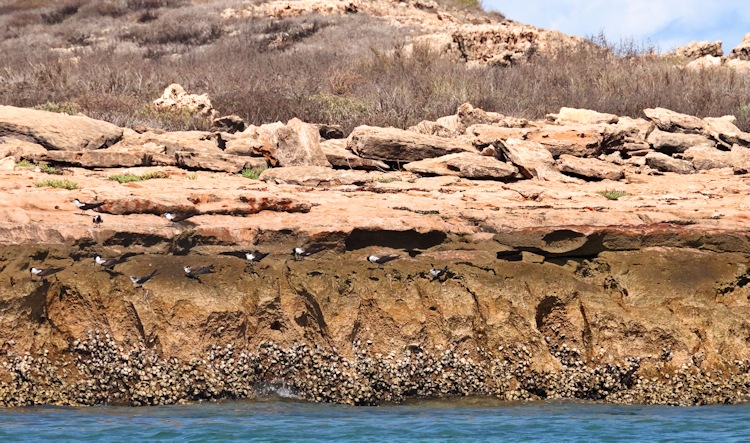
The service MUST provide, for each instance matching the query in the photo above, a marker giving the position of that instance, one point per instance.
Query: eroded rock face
(54, 131)
(176, 99)
(589, 168)
(742, 51)
(672, 121)
(397, 145)
(341, 158)
(665, 163)
(295, 144)
(466, 165)
(695, 50)
(532, 159)
(672, 142)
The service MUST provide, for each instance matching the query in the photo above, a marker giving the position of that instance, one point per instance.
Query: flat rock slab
(672, 121)
(398, 145)
(57, 131)
(342, 158)
(665, 163)
(590, 168)
(219, 162)
(103, 158)
(466, 165)
(319, 176)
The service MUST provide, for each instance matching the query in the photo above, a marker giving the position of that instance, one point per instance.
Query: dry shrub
(184, 28)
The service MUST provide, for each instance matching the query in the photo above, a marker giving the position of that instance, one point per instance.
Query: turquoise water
(277, 420)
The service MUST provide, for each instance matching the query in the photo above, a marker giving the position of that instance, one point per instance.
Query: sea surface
(474, 419)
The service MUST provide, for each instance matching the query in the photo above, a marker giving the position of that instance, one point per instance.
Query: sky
(666, 23)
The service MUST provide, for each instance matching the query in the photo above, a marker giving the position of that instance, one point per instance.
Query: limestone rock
(432, 128)
(248, 146)
(568, 116)
(589, 168)
(318, 176)
(579, 140)
(171, 142)
(739, 65)
(329, 132)
(228, 123)
(218, 162)
(342, 158)
(103, 158)
(466, 165)
(19, 149)
(741, 51)
(724, 131)
(485, 135)
(672, 121)
(176, 99)
(704, 157)
(671, 142)
(694, 50)
(391, 144)
(533, 159)
(705, 62)
(665, 163)
(295, 144)
(57, 131)
(740, 159)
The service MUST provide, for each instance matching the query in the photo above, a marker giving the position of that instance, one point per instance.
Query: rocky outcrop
(742, 51)
(695, 50)
(665, 163)
(295, 144)
(532, 159)
(397, 145)
(54, 131)
(341, 158)
(176, 99)
(671, 121)
(589, 168)
(675, 142)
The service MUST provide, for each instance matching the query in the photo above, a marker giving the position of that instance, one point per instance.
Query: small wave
(274, 389)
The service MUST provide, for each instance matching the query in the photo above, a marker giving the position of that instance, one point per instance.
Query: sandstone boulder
(57, 131)
(580, 140)
(485, 135)
(329, 132)
(573, 116)
(589, 168)
(704, 157)
(694, 50)
(724, 131)
(665, 163)
(319, 176)
(176, 99)
(532, 159)
(741, 51)
(740, 159)
(170, 142)
(672, 121)
(671, 142)
(247, 146)
(228, 123)
(398, 145)
(466, 165)
(19, 149)
(218, 162)
(342, 158)
(295, 144)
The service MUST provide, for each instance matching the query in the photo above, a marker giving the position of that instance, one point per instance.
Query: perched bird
(97, 220)
(437, 273)
(109, 263)
(382, 259)
(299, 253)
(86, 206)
(195, 271)
(175, 217)
(45, 272)
(140, 281)
(256, 256)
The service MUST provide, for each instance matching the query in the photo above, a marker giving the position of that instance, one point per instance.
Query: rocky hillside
(585, 255)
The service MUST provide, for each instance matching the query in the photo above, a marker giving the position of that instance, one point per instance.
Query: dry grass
(117, 56)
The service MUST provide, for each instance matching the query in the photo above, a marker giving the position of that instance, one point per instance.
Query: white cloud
(666, 22)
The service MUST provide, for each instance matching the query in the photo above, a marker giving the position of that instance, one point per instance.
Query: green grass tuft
(24, 164)
(253, 173)
(612, 194)
(127, 178)
(59, 184)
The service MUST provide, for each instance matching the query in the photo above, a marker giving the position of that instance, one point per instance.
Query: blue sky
(667, 23)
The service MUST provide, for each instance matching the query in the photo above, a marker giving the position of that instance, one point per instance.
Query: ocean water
(279, 420)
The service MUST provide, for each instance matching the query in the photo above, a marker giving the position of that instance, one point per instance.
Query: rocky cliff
(588, 256)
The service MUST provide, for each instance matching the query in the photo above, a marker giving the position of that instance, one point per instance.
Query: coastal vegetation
(252, 173)
(127, 178)
(110, 59)
(59, 184)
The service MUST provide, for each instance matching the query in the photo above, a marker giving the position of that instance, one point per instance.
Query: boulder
(170, 142)
(485, 135)
(342, 158)
(580, 140)
(319, 176)
(704, 157)
(741, 51)
(705, 62)
(466, 165)
(700, 49)
(228, 123)
(671, 142)
(532, 159)
(742, 66)
(55, 131)
(248, 146)
(176, 99)
(295, 144)
(432, 128)
(19, 149)
(589, 168)
(573, 116)
(398, 145)
(665, 163)
(671, 121)
(218, 162)
(740, 159)
(329, 132)
(724, 131)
